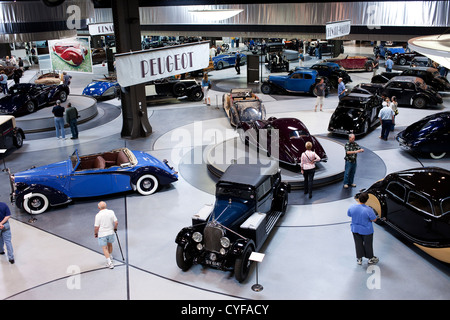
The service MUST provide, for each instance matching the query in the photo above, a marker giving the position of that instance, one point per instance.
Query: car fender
(240, 245)
(55, 197)
(184, 237)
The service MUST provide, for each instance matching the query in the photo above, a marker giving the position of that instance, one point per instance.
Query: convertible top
(248, 174)
(4, 119)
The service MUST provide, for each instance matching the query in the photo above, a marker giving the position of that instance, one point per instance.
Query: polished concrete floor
(309, 256)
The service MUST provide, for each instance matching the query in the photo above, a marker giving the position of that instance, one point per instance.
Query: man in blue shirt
(389, 64)
(386, 116)
(341, 88)
(362, 229)
(5, 232)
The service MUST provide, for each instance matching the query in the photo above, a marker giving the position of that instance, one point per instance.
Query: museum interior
(192, 120)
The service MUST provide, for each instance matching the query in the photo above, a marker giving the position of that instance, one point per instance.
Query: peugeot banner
(143, 66)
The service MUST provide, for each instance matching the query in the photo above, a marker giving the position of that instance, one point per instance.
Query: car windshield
(232, 191)
(74, 158)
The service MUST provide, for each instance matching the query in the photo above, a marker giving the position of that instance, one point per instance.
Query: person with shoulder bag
(206, 85)
(308, 161)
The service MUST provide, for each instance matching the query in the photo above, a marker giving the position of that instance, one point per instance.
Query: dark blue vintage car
(250, 199)
(99, 174)
(430, 135)
(332, 71)
(302, 80)
(227, 60)
(26, 98)
(105, 88)
(415, 203)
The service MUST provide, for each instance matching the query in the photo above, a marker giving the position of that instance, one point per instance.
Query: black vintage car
(242, 104)
(416, 204)
(409, 91)
(189, 88)
(431, 76)
(276, 60)
(332, 71)
(403, 58)
(26, 98)
(10, 135)
(250, 199)
(430, 135)
(356, 113)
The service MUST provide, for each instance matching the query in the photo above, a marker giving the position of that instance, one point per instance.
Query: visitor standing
(58, 113)
(206, 85)
(66, 78)
(71, 119)
(389, 64)
(4, 82)
(341, 88)
(361, 226)
(308, 161)
(351, 152)
(17, 74)
(105, 225)
(320, 93)
(376, 65)
(5, 232)
(386, 116)
(237, 66)
(300, 57)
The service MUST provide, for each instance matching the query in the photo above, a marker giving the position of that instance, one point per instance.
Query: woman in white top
(308, 167)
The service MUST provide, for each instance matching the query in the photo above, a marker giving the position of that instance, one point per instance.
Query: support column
(127, 31)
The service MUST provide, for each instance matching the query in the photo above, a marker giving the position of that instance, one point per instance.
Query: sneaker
(353, 185)
(345, 186)
(373, 260)
(359, 261)
(110, 264)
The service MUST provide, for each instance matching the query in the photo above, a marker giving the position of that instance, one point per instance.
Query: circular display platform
(221, 155)
(42, 119)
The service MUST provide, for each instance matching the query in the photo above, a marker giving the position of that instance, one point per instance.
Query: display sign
(101, 29)
(337, 29)
(143, 66)
(71, 54)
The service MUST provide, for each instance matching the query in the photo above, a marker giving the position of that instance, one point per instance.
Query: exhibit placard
(71, 54)
(337, 29)
(143, 66)
(97, 29)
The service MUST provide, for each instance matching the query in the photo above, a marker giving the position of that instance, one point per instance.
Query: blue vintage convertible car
(99, 174)
(302, 80)
(105, 88)
(227, 60)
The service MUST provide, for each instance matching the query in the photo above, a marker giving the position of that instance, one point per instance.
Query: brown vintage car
(353, 63)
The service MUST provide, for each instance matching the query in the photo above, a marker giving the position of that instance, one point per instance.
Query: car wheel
(147, 184)
(184, 260)
(242, 264)
(402, 61)
(36, 203)
(219, 65)
(63, 96)
(419, 102)
(179, 89)
(265, 88)
(437, 155)
(30, 106)
(369, 67)
(18, 140)
(196, 95)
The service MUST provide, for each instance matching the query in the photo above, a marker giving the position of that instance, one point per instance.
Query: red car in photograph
(72, 53)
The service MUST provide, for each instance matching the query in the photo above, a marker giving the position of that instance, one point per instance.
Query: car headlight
(197, 237)
(225, 242)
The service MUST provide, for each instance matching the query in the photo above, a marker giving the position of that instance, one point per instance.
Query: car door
(395, 89)
(295, 82)
(264, 196)
(40, 92)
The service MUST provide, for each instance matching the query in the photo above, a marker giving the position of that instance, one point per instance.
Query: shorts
(103, 241)
(319, 100)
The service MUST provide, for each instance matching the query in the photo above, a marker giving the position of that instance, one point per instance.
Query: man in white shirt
(104, 227)
(386, 116)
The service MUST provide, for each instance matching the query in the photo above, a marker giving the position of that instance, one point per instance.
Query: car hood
(100, 87)
(277, 79)
(42, 173)
(228, 214)
(145, 159)
(420, 130)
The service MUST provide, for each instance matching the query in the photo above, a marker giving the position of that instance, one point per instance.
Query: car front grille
(212, 238)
